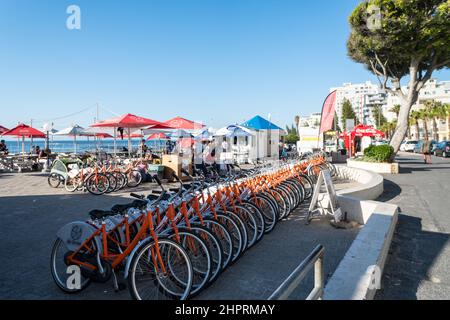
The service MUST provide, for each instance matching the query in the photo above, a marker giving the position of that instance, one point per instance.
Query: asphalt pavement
(419, 259)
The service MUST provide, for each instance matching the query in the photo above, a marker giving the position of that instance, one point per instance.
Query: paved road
(31, 213)
(419, 261)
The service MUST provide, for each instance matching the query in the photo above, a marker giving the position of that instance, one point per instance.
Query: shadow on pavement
(422, 168)
(391, 190)
(412, 254)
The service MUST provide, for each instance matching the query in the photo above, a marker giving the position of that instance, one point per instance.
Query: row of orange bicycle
(173, 243)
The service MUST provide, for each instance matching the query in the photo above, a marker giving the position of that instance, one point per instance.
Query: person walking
(426, 150)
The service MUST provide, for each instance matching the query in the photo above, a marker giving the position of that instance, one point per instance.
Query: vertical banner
(328, 111)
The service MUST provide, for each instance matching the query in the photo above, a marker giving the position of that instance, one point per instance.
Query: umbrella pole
(75, 144)
(23, 147)
(115, 131)
(129, 143)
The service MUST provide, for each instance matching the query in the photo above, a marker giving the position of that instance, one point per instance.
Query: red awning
(129, 121)
(22, 130)
(158, 136)
(182, 123)
(102, 135)
(363, 131)
(3, 130)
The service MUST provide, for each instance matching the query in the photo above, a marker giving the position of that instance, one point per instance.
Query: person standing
(426, 150)
(3, 147)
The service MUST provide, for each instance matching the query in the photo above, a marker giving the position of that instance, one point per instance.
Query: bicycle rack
(315, 258)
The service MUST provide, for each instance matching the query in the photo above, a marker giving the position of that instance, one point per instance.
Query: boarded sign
(333, 208)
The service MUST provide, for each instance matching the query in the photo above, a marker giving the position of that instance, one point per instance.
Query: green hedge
(381, 153)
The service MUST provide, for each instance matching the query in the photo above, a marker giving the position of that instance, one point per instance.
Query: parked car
(409, 145)
(442, 149)
(418, 147)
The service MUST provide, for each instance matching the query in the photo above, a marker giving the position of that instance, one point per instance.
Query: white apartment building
(312, 121)
(363, 97)
(433, 90)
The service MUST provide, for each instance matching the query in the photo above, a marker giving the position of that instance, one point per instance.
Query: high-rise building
(363, 97)
(432, 90)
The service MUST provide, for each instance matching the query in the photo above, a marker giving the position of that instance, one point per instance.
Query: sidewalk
(419, 259)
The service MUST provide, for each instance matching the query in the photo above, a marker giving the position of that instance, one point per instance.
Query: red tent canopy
(158, 136)
(22, 130)
(102, 135)
(363, 131)
(182, 123)
(3, 130)
(133, 135)
(129, 121)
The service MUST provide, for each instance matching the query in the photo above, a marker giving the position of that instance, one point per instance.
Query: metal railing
(315, 258)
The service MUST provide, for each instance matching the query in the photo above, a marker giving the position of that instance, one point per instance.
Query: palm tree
(425, 117)
(395, 109)
(414, 118)
(441, 112)
(431, 108)
(297, 122)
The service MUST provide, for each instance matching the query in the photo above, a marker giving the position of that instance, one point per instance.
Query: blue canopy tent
(259, 123)
(267, 137)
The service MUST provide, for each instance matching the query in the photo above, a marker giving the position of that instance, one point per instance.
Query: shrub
(381, 153)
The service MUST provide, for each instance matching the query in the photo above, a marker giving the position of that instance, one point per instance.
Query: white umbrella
(72, 131)
(233, 131)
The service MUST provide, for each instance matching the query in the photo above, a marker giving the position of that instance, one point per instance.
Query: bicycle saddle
(118, 208)
(153, 197)
(99, 214)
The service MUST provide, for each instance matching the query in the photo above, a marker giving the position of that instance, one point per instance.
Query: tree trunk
(417, 130)
(425, 127)
(435, 130)
(402, 123)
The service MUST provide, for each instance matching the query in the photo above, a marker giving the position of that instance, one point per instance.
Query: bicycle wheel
(199, 255)
(112, 182)
(308, 184)
(259, 218)
(235, 233)
(97, 184)
(224, 237)
(155, 271)
(71, 184)
(134, 178)
(283, 205)
(121, 179)
(215, 249)
(268, 209)
(59, 268)
(54, 180)
(250, 225)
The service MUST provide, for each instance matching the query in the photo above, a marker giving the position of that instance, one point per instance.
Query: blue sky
(217, 61)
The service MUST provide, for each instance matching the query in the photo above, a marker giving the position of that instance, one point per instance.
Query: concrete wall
(357, 274)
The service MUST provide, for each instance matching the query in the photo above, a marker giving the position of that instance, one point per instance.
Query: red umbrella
(102, 135)
(22, 130)
(158, 136)
(3, 130)
(128, 121)
(182, 123)
(186, 142)
(133, 135)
